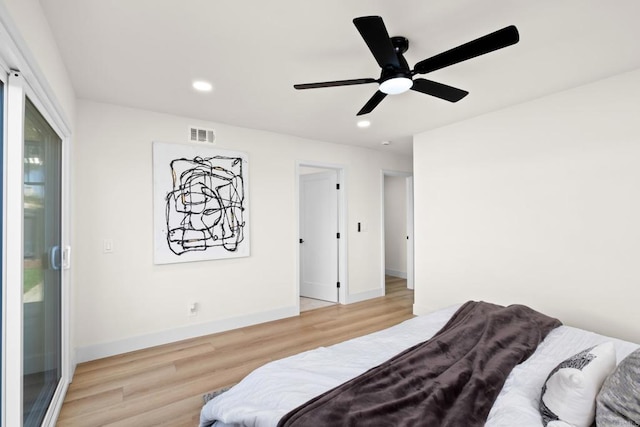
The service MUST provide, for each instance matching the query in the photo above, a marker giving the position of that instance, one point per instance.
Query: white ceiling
(146, 53)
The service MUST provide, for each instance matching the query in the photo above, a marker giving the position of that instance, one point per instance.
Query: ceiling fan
(396, 76)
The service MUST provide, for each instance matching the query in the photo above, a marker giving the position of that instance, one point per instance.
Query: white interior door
(319, 236)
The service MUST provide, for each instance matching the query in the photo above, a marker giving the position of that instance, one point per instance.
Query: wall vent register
(201, 135)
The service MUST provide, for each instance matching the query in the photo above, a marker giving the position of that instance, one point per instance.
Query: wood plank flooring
(163, 386)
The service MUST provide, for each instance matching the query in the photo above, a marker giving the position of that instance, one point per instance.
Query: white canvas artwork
(200, 203)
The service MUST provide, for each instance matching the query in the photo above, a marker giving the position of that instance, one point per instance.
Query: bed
(276, 393)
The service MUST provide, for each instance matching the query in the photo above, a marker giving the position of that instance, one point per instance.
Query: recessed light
(364, 123)
(386, 142)
(202, 86)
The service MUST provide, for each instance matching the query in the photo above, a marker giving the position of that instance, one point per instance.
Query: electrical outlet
(192, 309)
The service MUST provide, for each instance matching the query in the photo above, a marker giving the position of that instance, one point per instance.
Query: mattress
(271, 391)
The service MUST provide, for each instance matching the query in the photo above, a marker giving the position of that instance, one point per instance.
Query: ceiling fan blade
(334, 83)
(439, 90)
(372, 103)
(494, 41)
(374, 33)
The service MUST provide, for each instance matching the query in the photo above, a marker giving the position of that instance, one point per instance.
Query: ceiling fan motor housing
(393, 79)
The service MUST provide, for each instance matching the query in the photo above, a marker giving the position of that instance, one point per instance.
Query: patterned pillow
(618, 403)
(569, 393)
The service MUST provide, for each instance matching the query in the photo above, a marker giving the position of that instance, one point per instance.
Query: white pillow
(569, 393)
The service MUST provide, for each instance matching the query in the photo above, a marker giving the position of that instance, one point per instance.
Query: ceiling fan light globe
(396, 85)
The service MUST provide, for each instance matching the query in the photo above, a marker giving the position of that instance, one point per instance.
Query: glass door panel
(41, 265)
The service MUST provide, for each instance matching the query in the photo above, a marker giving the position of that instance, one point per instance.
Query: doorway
(321, 247)
(397, 227)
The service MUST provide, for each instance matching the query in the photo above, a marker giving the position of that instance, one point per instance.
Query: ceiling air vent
(201, 134)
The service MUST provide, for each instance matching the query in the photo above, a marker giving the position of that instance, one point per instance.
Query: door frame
(410, 226)
(341, 173)
(28, 81)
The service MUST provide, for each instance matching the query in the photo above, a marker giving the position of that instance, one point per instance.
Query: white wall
(34, 30)
(536, 204)
(124, 301)
(395, 225)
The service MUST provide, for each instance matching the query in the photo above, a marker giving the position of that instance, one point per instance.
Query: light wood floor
(163, 386)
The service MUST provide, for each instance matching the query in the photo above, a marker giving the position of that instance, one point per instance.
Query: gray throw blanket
(450, 380)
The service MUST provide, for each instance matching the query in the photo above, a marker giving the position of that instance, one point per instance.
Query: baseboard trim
(396, 273)
(363, 296)
(98, 351)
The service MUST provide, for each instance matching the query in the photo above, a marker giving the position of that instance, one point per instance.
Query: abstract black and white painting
(200, 203)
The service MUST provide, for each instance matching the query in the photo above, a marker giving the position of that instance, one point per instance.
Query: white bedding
(271, 391)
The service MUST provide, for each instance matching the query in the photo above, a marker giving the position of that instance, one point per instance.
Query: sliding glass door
(42, 262)
(34, 252)
(35, 355)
